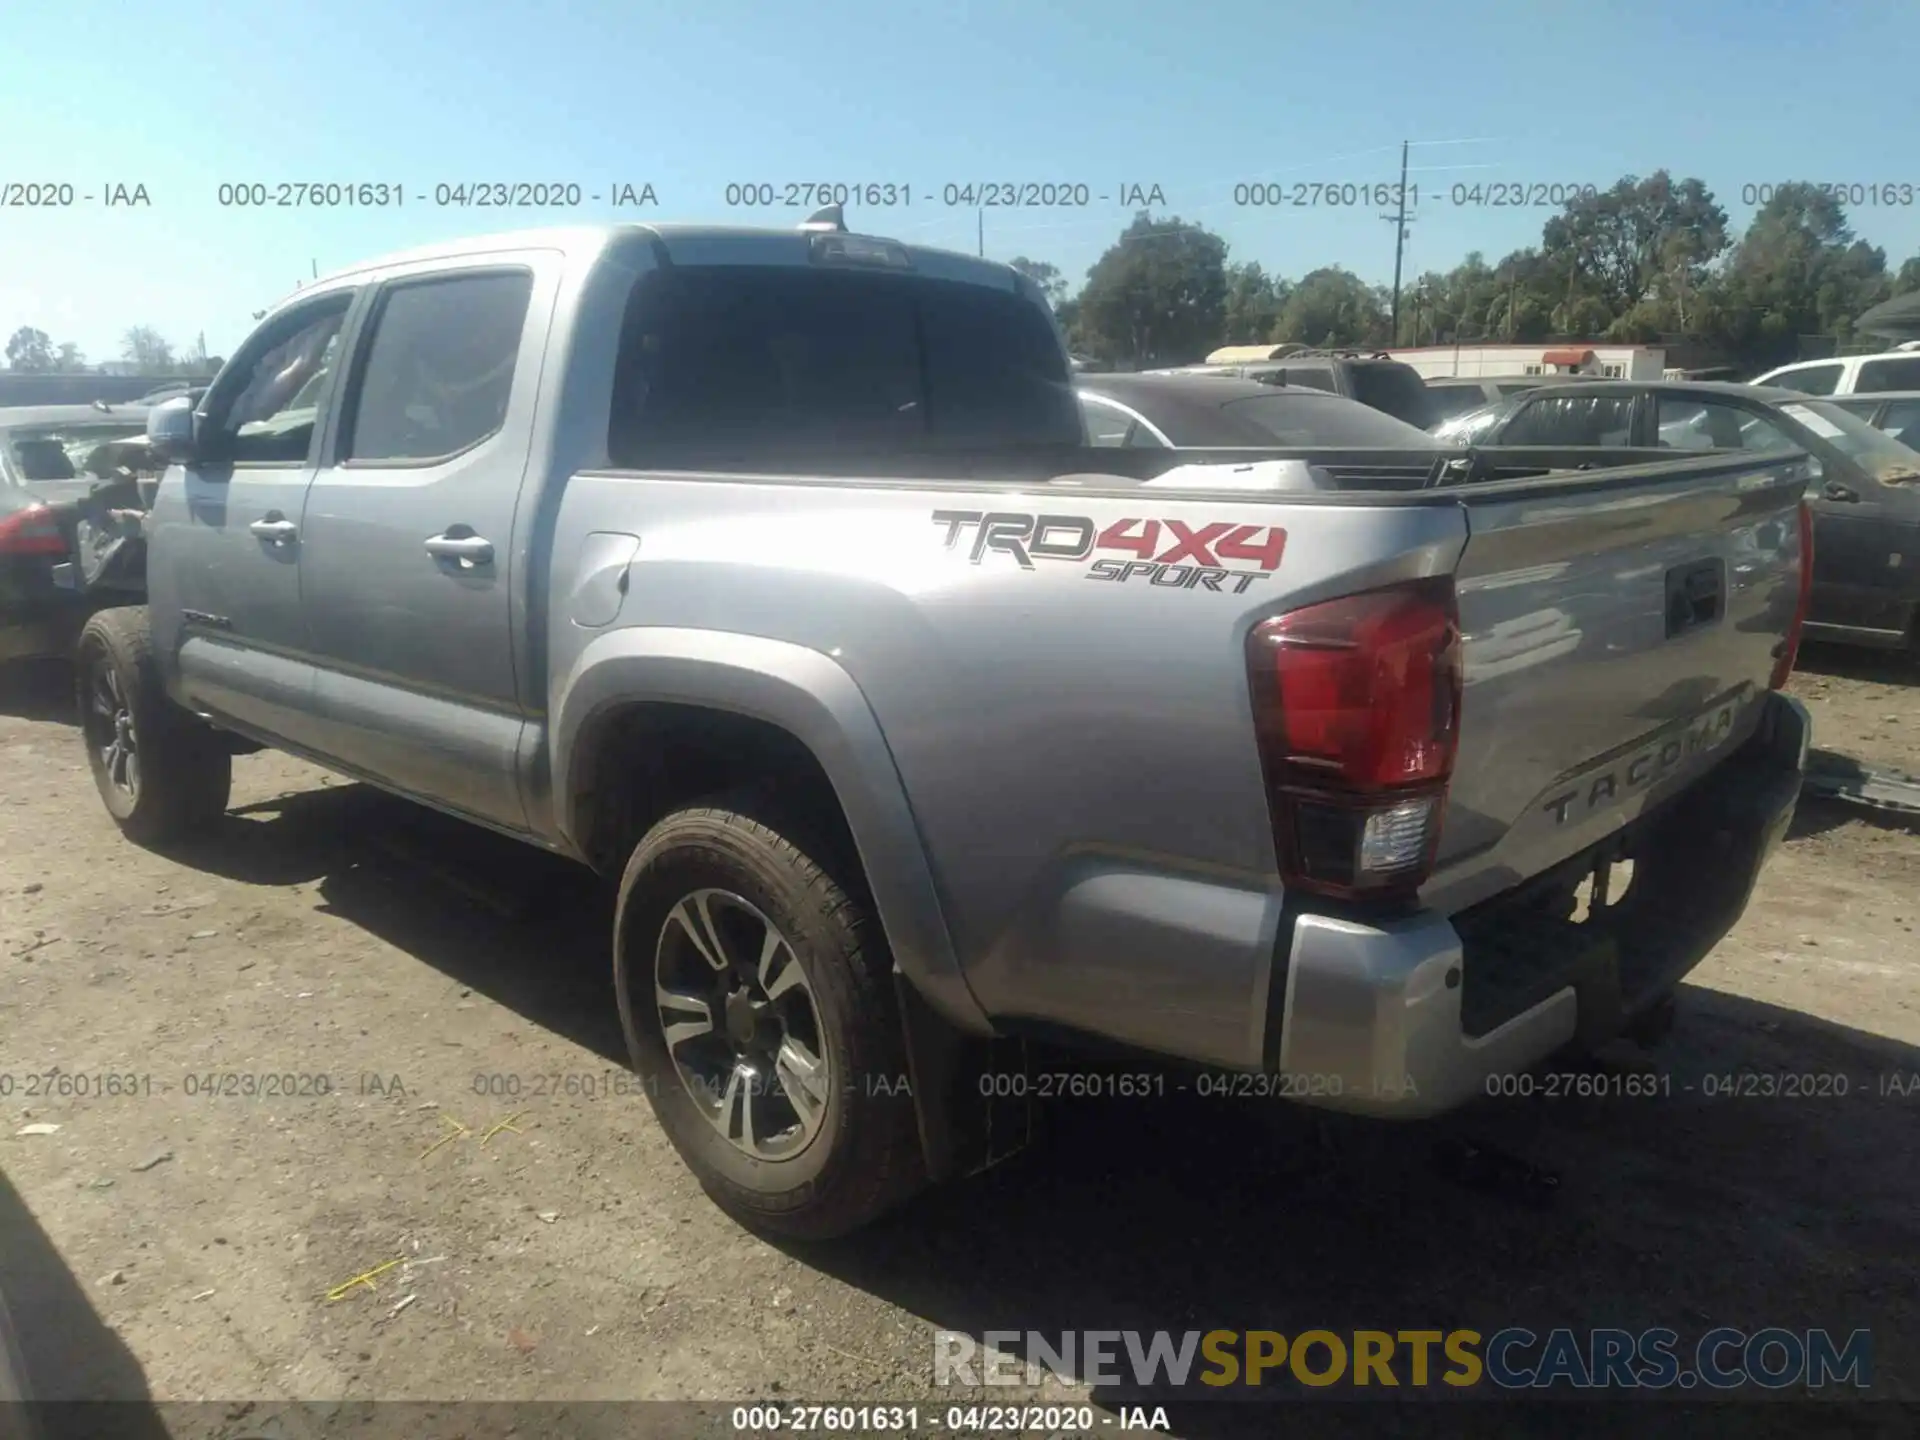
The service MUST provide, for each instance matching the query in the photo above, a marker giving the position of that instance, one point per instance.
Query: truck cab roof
(680, 244)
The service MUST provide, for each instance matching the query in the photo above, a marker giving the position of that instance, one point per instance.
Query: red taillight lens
(32, 531)
(1790, 647)
(1356, 705)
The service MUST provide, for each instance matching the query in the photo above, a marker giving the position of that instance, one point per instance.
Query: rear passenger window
(1604, 420)
(1696, 425)
(760, 359)
(1902, 422)
(439, 368)
(1809, 379)
(1901, 374)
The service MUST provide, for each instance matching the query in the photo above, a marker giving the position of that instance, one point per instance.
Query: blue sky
(1192, 97)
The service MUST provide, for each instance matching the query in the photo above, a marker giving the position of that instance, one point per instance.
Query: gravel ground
(540, 1240)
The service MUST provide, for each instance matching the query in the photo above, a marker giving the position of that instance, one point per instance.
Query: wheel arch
(658, 696)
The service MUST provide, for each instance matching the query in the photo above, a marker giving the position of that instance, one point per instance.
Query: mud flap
(969, 1095)
(1599, 1005)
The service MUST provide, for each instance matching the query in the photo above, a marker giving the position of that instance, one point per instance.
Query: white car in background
(1896, 369)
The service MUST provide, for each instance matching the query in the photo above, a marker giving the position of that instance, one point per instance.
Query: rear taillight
(1356, 704)
(32, 531)
(1789, 650)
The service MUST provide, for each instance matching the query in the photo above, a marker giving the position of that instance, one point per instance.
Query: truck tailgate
(1620, 629)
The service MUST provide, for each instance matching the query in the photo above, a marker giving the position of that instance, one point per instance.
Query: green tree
(1253, 305)
(1157, 295)
(69, 357)
(1047, 278)
(1640, 248)
(1797, 271)
(1334, 307)
(29, 349)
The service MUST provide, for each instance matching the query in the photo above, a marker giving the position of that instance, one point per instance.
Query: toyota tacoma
(769, 574)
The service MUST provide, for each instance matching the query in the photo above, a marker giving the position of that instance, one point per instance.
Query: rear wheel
(162, 773)
(756, 993)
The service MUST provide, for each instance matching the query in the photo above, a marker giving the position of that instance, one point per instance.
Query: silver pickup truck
(768, 574)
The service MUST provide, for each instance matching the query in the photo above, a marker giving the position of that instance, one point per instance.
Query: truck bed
(1073, 732)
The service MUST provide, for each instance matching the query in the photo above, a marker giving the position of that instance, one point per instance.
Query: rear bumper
(1413, 1018)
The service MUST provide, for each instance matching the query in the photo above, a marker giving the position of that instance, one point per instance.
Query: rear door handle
(467, 549)
(1834, 490)
(275, 530)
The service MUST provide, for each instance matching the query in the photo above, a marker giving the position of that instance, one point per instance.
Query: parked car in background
(1179, 411)
(1865, 496)
(1221, 412)
(48, 460)
(1378, 380)
(1896, 369)
(23, 389)
(1896, 412)
(1455, 395)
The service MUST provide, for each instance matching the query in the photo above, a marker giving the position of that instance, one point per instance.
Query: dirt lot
(182, 1246)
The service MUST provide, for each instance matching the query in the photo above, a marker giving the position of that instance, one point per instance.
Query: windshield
(1304, 420)
(59, 452)
(1878, 451)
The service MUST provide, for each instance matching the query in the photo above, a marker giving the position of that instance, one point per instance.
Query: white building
(1615, 362)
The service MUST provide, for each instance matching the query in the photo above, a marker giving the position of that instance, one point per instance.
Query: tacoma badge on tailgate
(1170, 553)
(1634, 769)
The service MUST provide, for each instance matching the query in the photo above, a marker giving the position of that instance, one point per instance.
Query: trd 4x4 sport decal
(1170, 553)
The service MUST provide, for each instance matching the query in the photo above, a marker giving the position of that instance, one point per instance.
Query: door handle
(468, 549)
(275, 530)
(1834, 490)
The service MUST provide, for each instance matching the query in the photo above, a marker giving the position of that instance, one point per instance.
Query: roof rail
(1341, 353)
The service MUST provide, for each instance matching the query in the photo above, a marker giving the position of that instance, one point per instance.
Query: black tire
(864, 1158)
(181, 772)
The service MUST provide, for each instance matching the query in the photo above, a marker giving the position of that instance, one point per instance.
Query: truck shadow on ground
(1722, 1201)
(81, 1378)
(1783, 1199)
(525, 928)
(39, 690)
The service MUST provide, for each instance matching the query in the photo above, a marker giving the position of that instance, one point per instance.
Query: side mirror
(170, 429)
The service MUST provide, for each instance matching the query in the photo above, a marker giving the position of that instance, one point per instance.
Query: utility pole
(980, 219)
(1513, 290)
(1399, 219)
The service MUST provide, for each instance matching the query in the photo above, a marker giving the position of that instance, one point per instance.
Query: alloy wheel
(110, 730)
(741, 1024)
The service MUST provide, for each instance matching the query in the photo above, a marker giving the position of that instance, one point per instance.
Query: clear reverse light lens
(1395, 839)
